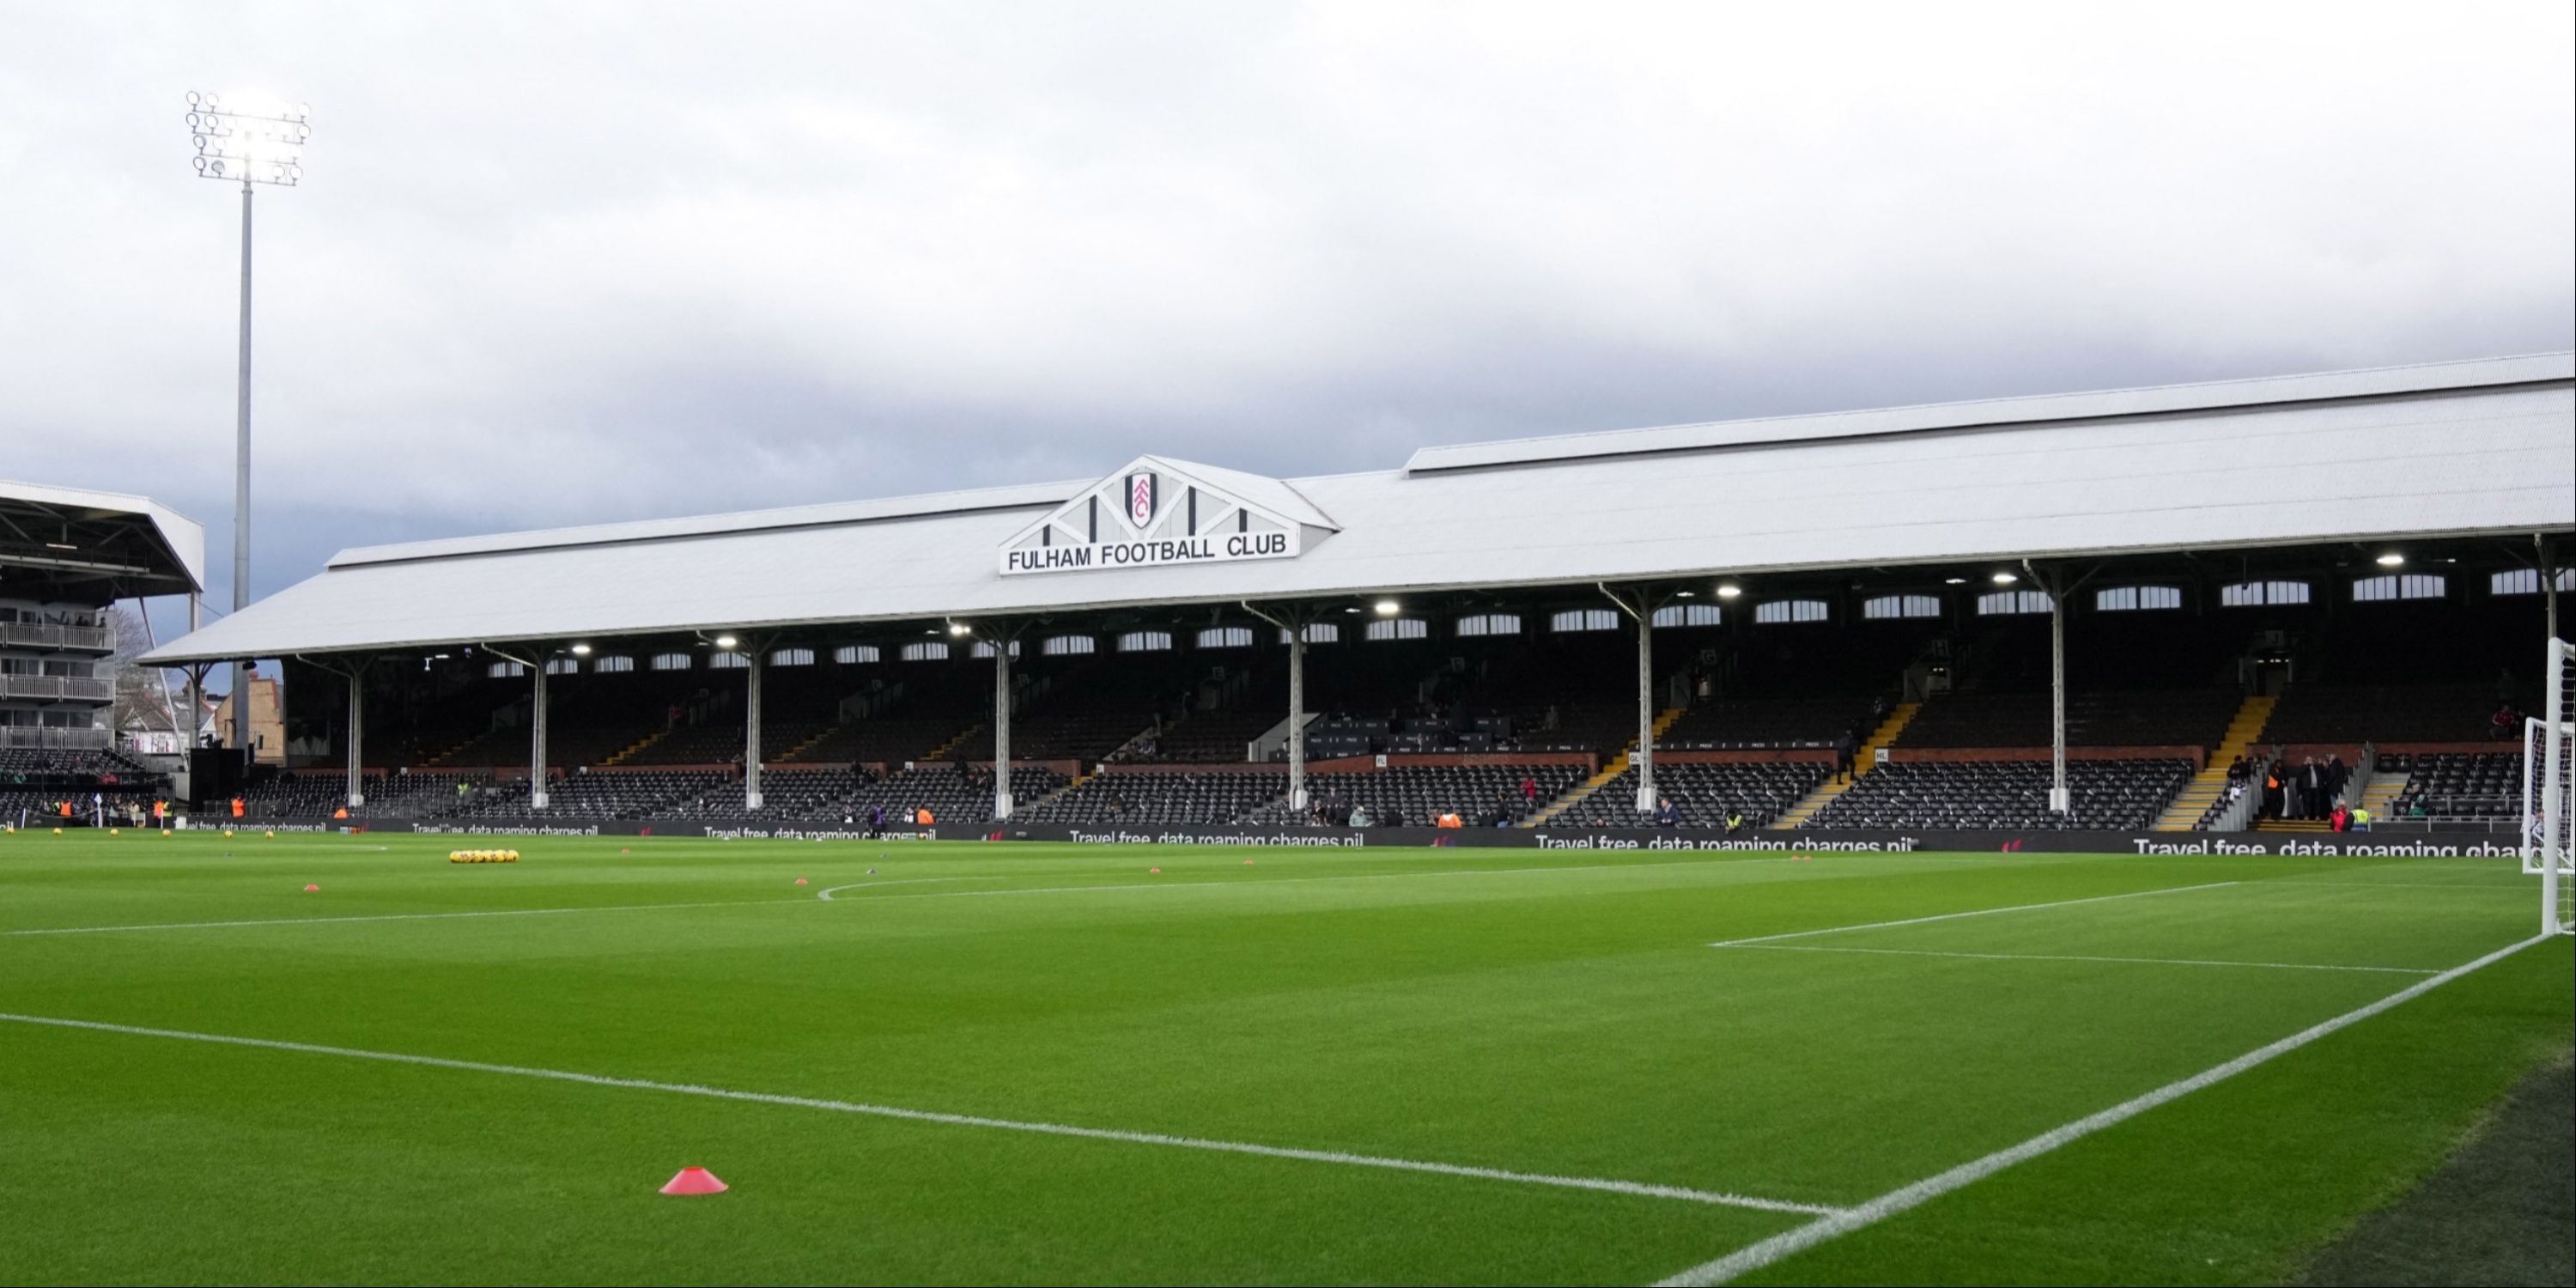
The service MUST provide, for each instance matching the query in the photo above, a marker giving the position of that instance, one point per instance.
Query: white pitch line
(2060, 957)
(1768, 1251)
(388, 916)
(1257, 882)
(1637, 1189)
(826, 895)
(1973, 912)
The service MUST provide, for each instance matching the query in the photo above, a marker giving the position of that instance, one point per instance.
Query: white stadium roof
(2451, 449)
(134, 544)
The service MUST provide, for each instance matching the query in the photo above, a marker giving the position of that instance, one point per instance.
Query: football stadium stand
(1843, 622)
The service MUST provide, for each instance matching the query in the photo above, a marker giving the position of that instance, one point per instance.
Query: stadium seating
(1217, 796)
(2108, 794)
(1727, 723)
(1704, 793)
(2384, 713)
(2458, 787)
(317, 795)
(2144, 718)
(1417, 795)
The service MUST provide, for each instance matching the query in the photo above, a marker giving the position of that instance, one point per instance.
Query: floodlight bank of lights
(247, 139)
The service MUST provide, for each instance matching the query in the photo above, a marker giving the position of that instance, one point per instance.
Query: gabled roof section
(134, 543)
(834, 514)
(1157, 511)
(1999, 412)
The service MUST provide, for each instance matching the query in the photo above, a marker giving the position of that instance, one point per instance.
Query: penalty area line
(1779, 1246)
(1973, 912)
(1636, 1189)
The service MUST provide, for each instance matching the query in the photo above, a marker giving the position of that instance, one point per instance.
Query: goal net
(2549, 793)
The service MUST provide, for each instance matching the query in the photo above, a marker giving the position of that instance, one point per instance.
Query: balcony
(55, 688)
(92, 639)
(14, 736)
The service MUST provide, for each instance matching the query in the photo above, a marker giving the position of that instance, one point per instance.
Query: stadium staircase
(1052, 797)
(632, 748)
(941, 751)
(2184, 812)
(1863, 760)
(799, 749)
(1618, 765)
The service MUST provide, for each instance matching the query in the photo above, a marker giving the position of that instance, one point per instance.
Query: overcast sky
(563, 263)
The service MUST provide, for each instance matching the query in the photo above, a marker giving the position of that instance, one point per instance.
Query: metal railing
(40, 635)
(20, 736)
(55, 687)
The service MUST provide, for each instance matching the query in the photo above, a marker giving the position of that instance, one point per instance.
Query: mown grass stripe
(1637, 1189)
(1779, 1246)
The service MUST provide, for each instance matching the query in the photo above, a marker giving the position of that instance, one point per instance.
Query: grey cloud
(565, 263)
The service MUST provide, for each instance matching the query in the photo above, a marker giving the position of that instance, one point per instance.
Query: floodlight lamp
(1729, 591)
(247, 138)
(2006, 578)
(1954, 581)
(724, 641)
(1388, 608)
(581, 650)
(2392, 560)
(960, 628)
(1686, 594)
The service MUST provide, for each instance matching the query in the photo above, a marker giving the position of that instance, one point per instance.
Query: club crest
(1141, 498)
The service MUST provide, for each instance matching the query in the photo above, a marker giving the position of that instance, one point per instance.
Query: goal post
(2549, 794)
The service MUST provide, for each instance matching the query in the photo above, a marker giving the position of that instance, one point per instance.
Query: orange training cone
(694, 1180)
(800, 880)
(311, 888)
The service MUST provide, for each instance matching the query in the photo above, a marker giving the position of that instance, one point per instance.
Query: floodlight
(2391, 560)
(581, 650)
(1954, 581)
(1388, 608)
(249, 139)
(960, 628)
(724, 641)
(2006, 578)
(1729, 591)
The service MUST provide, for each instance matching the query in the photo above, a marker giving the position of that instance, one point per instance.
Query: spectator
(1667, 814)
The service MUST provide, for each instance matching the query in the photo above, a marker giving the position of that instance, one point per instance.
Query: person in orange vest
(1451, 819)
(160, 811)
(66, 811)
(237, 807)
(923, 817)
(342, 812)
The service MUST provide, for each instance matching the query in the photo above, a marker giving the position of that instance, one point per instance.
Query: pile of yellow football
(482, 856)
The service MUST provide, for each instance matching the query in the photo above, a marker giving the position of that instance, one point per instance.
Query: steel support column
(1292, 623)
(1297, 718)
(1001, 724)
(357, 732)
(752, 659)
(537, 735)
(2061, 798)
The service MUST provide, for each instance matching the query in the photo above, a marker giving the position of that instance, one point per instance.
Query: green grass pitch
(1508, 1021)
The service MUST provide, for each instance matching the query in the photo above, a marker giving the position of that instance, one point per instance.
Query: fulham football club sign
(1157, 513)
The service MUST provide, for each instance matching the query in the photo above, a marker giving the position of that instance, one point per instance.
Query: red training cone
(694, 1180)
(311, 888)
(800, 880)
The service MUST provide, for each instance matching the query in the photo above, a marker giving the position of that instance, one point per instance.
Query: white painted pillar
(1645, 761)
(1001, 727)
(1297, 714)
(357, 728)
(537, 733)
(751, 726)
